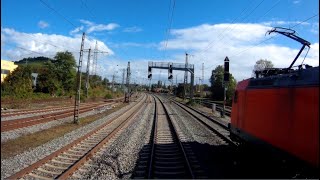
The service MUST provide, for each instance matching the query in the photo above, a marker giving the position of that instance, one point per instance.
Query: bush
(108, 96)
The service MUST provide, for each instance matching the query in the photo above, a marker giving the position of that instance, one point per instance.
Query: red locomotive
(279, 108)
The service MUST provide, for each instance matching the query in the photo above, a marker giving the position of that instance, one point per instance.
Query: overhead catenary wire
(32, 52)
(242, 51)
(169, 26)
(63, 17)
(227, 29)
(274, 35)
(90, 12)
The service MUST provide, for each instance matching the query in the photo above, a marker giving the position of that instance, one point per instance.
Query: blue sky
(136, 31)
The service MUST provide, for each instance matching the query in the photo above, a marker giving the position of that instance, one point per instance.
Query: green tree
(262, 64)
(65, 65)
(18, 83)
(216, 81)
(48, 81)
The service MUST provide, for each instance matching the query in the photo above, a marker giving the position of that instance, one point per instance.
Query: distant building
(159, 84)
(6, 68)
(34, 79)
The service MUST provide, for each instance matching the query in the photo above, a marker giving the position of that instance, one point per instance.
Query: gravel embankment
(119, 158)
(5, 136)
(193, 129)
(12, 165)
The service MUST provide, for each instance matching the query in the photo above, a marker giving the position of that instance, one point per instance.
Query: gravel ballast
(5, 136)
(14, 164)
(119, 158)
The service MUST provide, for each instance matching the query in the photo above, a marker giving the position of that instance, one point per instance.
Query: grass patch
(191, 103)
(29, 141)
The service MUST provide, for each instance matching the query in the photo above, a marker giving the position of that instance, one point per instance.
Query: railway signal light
(226, 76)
(170, 72)
(149, 73)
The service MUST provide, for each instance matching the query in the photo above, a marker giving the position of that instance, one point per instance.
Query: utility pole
(123, 76)
(95, 59)
(77, 97)
(88, 73)
(112, 83)
(185, 81)
(201, 87)
(127, 94)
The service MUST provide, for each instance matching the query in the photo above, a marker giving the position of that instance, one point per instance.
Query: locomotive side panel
(280, 111)
(238, 104)
(291, 124)
(262, 118)
(304, 125)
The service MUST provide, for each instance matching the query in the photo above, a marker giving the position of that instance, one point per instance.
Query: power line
(220, 37)
(306, 20)
(275, 35)
(46, 4)
(240, 52)
(85, 4)
(168, 29)
(263, 14)
(46, 42)
(24, 49)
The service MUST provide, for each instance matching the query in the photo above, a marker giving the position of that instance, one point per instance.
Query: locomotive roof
(299, 77)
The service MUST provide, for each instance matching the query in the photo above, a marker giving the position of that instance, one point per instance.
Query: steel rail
(176, 138)
(72, 167)
(30, 121)
(221, 135)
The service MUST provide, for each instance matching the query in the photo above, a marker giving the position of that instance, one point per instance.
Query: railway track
(42, 110)
(30, 121)
(219, 106)
(167, 156)
(54, 108)
(219, 128)
(64, 162)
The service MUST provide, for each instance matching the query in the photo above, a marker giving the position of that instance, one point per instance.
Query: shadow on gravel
(223, 161)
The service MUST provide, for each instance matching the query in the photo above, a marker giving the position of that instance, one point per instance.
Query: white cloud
(315, 28)
(43, 24)
(46, 44)
(91, 26)
(102, 27)
(239, 43)
(283, 23)
(296, 1)
(86, 22)
(133, 44)
(76, 30)
(132, 29)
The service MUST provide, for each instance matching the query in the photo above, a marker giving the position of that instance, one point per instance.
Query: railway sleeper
(168, 158)
(38, 176)
(60, 162)
(55, 167)
(166, 174)
(170, 168)
(67, 158)
(167, 154)
(48, 171)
